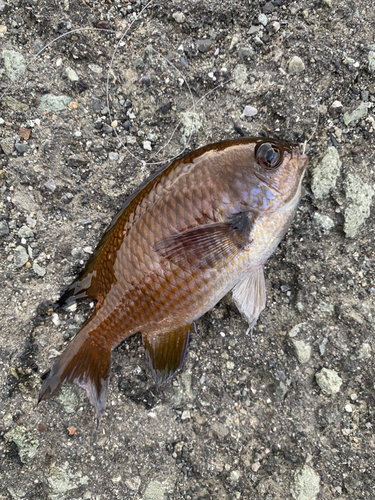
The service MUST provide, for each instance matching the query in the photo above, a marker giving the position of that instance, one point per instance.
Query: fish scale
(196, 229)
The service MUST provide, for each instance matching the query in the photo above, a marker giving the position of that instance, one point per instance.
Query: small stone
(359, 195)
(24, 133)
(15, 105)
(365, 94)
(324, 221)
(295, 330)
(230, 365)
(113, 156)
(76, 160)
(107, 129)
(255, 467)
(335, 109)
(328, 380)
(326, 173)
(133, 483)
(50, 185)
(4, 229)
(20, 256)
(185, 415)
(114, 124)
(130, 140)
(26, 442)
(262, 18)
(357, 114)
(253, 30)
(7, 145)
(204, 45)
(25, 232)
(73, 105)
(179, 17)
(147, 145)
(296, 65)
(302, 350)
(249, 111)
(268, 7)
(246, 52)
(235, 40)
(371, 61)
(96, 69)
(15, 64)
(234, 476)
(22, 148)
(364, 351)
(3, 29)
(39, 270)
(71, 74)
(53, 103)
(306, 484)
(348, 409)
(154, 491)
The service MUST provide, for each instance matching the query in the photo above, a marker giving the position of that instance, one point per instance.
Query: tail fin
(86, 364)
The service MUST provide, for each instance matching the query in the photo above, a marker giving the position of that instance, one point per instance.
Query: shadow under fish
(194, 230)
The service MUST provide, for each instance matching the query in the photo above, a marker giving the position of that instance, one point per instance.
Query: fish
(199, 227)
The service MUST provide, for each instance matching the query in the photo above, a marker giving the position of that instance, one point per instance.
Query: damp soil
(246, 415)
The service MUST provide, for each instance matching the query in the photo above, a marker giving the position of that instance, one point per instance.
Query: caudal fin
(86, 364)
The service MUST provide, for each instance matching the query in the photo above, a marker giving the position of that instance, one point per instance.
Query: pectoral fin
(205, 246)
(165, 352)
(249, 295)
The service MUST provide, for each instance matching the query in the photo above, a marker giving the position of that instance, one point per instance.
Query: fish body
(197, 228)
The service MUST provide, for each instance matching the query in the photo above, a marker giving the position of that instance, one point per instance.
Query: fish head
(279, 169)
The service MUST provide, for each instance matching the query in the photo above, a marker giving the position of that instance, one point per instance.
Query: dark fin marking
(205, 246)
(249, 295)
(86, 364)
(165, 352)
(81, 288)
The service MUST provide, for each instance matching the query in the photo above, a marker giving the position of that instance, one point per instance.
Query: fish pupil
(272, 156)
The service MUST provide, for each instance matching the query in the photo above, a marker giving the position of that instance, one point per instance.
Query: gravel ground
(286, 413)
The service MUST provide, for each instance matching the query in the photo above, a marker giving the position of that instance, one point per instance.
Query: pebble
(154, 491)
(25, 232)
(335, 109)
(20, 256)
(96, 69)
(348, 409)
(204, 45)
(50, 185)
(22, 148)
(71, 74)
(234, 476)
(179, 17)
(328, 380)
(133, 483)
(359, 195)
(4, 228)
(357, 114)
(7, 145)
(371, 61)
(325, 173)
(296, 65)
(306, 484)
(262, 18)
(53, 103)
(15, 105)
(39, 270)
(249, 111)
(185, 415)
(113, 156)
(324, 221)
(147, 145)
(246, 52)
(364, 351)
(302, 350)
(15, 64)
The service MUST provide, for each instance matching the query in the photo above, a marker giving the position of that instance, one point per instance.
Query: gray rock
(326, 173)
(133, 483)
(328, 380)
(359, 195)
(154, 491)
(50, 185)
(356, 114)
(53, 103)
(204, 45)
(324, 221)
(39, 270)
(371, 61)
(302, 350)
(22, 148)
(253, 30)
(335, 109)
(179, 17)
(4, 229)
(296, 65)
(306, 484)
(246, 52)
(7, 145)
(26, 442)
(71, 74)
(262, 18)
(113, 156)
(76, 161)
(15, 64)
(249, 111)
(15, 105)
(20, 256)
(364, 351)
(25, 232)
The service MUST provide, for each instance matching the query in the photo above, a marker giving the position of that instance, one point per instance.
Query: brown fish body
(196, 229)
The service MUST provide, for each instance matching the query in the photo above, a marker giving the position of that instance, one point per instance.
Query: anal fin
(249, 295)
(165, 352)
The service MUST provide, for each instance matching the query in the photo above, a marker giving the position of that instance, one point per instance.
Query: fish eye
(268, 155)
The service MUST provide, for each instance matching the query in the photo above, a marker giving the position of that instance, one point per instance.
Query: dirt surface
(247, 418)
